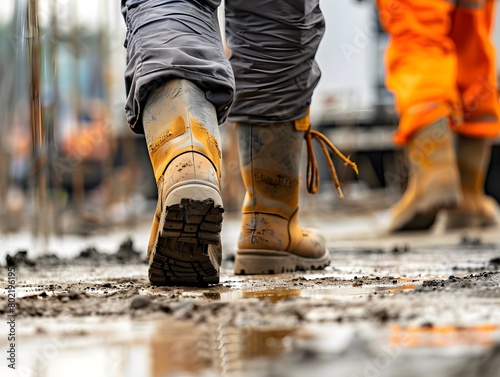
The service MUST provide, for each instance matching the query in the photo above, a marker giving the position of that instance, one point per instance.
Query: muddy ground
(385, 308)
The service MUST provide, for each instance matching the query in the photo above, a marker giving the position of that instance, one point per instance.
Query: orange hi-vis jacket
(441, 62)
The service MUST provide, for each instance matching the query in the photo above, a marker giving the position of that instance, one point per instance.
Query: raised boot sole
(188, 249)
(423, 215)
(268, 262)
(485, 214)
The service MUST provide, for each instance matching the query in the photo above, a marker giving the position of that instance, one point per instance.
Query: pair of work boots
(182, 135)
(183, 142)
(447, 171)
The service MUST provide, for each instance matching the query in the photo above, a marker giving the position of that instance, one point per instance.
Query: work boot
(433, 182)
(476, 209)
(271, 240)
(182, 136)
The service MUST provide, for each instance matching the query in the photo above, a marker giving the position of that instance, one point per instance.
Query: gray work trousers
(272, 43)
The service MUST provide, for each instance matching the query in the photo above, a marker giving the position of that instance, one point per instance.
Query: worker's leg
(476, 73)
(421, 72)
(179, 88)
(169, 39)
(421, 62)
(272, 45)
(477, 83)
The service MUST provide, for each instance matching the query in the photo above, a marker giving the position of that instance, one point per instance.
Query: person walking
(180, 87)
(441, 68)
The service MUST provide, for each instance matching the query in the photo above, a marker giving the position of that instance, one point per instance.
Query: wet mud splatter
(365, 306)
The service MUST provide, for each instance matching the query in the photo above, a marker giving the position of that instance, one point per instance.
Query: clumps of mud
(126, 254)
(20, 259)
(135, 299)
(367, 280)
(481, 280)
(80, 299)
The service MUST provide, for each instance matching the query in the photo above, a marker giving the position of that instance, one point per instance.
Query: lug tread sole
(181, 255)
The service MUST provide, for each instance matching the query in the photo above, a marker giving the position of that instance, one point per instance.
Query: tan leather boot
(476, 209)
(433, 182)
(271, 240)
(182, 135)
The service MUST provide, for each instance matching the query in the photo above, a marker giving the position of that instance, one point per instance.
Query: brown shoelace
(312, 164)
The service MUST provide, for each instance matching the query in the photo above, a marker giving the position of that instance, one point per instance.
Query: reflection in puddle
(273, 295)
(444, 336)
(191, 349)
(280, 294)
(238, 346)
(265, 341)
(355, 291)
(398, 289)
(176, 348)
(180, 347)
(150, 349)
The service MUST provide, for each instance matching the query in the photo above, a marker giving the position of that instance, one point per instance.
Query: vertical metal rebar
(55, 183)
(104, 56)
(39, 145)
(78, 174)
(7, 74)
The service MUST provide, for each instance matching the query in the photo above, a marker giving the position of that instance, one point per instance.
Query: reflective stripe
(470, 3)
(483, 118)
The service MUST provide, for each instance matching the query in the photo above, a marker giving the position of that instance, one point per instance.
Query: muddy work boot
(433, 182)
(271, 240)
(476, 209)
(182, 136)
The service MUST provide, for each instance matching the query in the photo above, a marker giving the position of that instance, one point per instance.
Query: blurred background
(70, 165)
(68, 160)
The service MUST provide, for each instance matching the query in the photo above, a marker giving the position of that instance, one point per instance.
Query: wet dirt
(51, 286)
(372, 312)
(89, 256)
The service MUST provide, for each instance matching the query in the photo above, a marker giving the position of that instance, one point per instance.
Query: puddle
(273, 295)
(147, 349)
(398, 289)
(281, 294)
(176, 348)
(223, 350)
(355, 291)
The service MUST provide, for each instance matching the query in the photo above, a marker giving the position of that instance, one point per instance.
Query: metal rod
(104, 56)
(55, 183)
(39, 146)
(78, 175)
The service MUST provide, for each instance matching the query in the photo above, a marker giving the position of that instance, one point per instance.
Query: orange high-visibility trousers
(441, 62)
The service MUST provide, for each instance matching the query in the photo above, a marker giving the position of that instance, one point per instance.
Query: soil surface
(412, 311)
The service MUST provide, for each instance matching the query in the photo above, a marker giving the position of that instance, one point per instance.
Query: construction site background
(70, 165)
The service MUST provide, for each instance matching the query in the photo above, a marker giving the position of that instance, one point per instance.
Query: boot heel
(188, 250)
(251, 262)
(444, 200)
(426, 212)
(266, 262)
